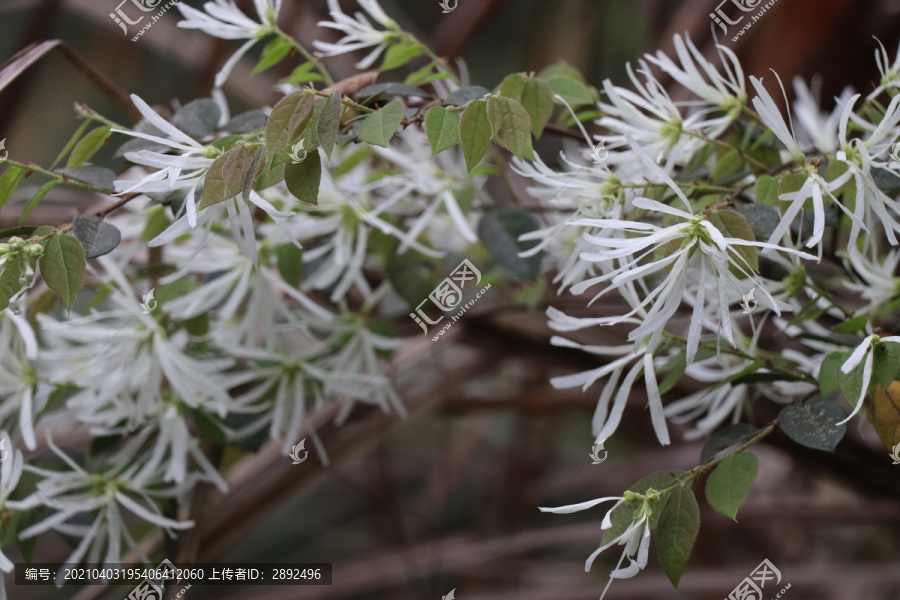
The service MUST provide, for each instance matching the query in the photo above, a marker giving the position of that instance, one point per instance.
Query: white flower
(652, 118)
(358, 356)
(876, 281)
(815, 188)
(864, 352)
(605, 422)
(245, 299)
(699, 243)
(10, 472)
(817, 128)
(22, 392)
(635, 538)
(421, 181)
(771, 117)
(223, 19)
(183, 171)
(104, 494)
(716, 403)
(726, 92)
(359, 32)
(890, 71)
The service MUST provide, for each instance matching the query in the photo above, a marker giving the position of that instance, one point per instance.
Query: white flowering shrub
(250, 267)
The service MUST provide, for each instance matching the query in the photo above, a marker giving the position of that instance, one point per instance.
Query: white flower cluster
(656, 224)
(266, 314)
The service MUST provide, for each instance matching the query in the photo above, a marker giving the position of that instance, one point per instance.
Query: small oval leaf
(729, 483)
(97, 237)
(814, 423)
(679, 522)
(442, 128)
(62, 267)
(379, 127)
(475, 133)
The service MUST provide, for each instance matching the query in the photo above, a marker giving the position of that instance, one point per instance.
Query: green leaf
(699, 158)
(886, 364)
(88, 146)
(442, 128)
(731, 224)
(74, 140)
(621, 517)
(791, 182)
(389, 88)
(23, 231)
(499, 231)
(413, 275)
(290, 264)
(675, 367)
(857, 323)
(475, 133)
(814, 423)
(379, 127)
(271, 175)
(729, 164)
(851, 383)
(97, 237)
(511, 125)
(512, 86)
(304, 74)
(676, 533)
(251, 120)
(255, 167)
(287, 121)
(424, 76)
(766, 190)
(329, 122)
(467, 94)
(400, 54)
(8, 182)
(157, 222)
(573, 91)
(272, 54)
(726, 437)
(198, 117)
(537, 100)
(62, 267)
(762, 219)
(9, 282)
(97, 177)
(225, 178)
(729, 483)
(35, 200)
(303, 179)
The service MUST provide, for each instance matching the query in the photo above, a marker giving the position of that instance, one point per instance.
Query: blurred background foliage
(448, 498)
